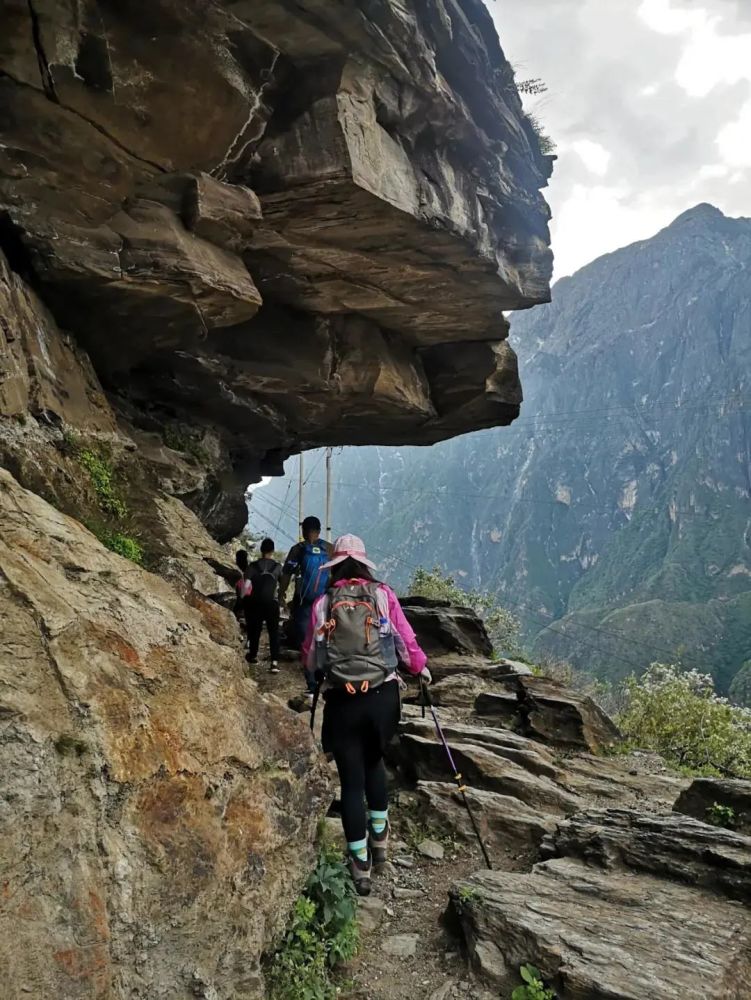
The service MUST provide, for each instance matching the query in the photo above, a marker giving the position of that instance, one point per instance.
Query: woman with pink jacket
(356, 637)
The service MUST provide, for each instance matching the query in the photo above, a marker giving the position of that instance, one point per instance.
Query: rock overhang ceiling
(290, 225)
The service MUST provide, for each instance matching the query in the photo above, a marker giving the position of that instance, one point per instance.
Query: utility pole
(328, 495)
(300, 485)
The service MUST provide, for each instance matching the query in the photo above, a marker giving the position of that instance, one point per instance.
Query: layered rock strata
(278, 226)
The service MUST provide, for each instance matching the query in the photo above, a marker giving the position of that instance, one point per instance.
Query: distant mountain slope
(615, 515)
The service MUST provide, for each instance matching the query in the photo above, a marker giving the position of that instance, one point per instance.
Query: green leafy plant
(678, 713)
(118, 542)
(503, 627)
(102, 479)
(720, 815)
(322, 933)
(466, 893)
(533, 987)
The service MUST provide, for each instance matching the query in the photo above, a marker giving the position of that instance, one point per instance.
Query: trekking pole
(461, 787)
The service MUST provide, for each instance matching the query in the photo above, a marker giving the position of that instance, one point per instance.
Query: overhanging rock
(284, 225)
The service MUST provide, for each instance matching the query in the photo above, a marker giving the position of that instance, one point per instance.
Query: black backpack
(265, 578)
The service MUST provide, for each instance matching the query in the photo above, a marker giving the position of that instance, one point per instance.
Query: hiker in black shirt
(262, 607)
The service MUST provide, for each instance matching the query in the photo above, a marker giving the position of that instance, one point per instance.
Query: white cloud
(593, 155)
(662, 16)
(711, 170)
(647, 101)
(734, 141)
(710, 57)
(598, 219)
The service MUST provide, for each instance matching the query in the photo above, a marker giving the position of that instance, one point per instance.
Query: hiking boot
(251, 659)
(360, 872)
(274, 668)
(378, 844)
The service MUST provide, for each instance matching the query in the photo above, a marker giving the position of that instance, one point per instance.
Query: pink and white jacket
(407, 649)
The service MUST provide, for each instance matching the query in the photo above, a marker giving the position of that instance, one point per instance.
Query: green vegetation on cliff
(678, 714)
(322, 933)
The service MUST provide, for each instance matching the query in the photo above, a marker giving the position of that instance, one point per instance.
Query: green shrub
(677, 713)
(533, 988)
(102, 479)
(503, 627)
(720, 815)
(322, 932)
(117, 542)
(125, 546)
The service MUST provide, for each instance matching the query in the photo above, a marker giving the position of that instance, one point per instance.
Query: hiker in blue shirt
(304, 562)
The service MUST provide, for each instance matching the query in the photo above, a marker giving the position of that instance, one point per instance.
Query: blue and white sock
(359, 848)
(378, 820)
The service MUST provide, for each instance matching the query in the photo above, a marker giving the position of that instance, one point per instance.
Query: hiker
(243, 586)
(356, 636)
(262, 606)
(305, 562)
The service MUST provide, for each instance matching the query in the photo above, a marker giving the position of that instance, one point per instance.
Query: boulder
(506, 824)
(445, 630)
(564, 718)
(671, 846)
(501, 706)
(538, 707)
(482, 767)
(158, 813)
(463, 690)
(703, 793)
(605, 935)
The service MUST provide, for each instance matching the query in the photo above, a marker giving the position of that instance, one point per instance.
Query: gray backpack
(357, 652)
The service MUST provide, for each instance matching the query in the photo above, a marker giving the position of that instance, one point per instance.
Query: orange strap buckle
(364, 687)
(350, 688)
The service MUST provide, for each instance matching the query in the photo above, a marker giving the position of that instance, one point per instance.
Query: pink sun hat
(346, 547)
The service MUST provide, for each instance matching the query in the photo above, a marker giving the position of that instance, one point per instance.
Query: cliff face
(156, 810)
(272, 226)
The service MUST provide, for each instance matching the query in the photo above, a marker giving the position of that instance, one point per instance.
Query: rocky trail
(596, 879)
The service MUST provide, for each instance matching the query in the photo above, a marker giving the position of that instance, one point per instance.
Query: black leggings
(357, 729)
(358, 775)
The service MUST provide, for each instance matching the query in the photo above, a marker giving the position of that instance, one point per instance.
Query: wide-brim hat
(349, 547)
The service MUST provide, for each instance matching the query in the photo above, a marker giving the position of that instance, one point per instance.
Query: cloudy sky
(649, 102)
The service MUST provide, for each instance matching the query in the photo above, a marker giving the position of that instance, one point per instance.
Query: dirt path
(409, 898)
(408, 951)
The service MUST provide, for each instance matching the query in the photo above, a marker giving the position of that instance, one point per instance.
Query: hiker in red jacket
(357, 635)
